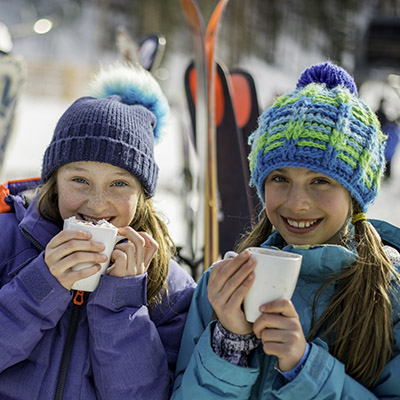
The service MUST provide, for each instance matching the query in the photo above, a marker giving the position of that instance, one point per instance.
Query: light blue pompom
(134, 85)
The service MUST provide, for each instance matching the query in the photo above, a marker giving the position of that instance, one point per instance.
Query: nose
(298, 198)
(97, 201)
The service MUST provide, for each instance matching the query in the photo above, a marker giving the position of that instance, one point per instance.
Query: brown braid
(359, 315)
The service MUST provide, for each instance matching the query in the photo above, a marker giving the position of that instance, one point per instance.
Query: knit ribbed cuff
(232, 347)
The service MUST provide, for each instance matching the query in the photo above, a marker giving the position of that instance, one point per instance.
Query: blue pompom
(134, 85)
(329, 74)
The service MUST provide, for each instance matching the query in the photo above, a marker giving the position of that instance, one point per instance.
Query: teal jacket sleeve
(200, 373)
(324, 377)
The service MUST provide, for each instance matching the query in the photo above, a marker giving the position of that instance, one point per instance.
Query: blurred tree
(331, 27)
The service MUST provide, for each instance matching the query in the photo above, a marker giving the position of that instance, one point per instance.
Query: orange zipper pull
(79, 299)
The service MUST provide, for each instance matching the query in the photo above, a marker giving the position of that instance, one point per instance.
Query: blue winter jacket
(201, 374)
(121, 349)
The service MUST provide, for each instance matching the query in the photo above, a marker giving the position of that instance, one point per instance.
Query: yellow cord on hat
(358, 217)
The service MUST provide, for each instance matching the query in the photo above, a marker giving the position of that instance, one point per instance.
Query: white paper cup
(104, 233)
(276, 275)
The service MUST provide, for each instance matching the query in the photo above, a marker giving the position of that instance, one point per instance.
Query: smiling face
(306, 207)
(93, 191)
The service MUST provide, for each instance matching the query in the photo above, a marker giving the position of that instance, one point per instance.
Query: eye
(79, 180)
(119, 184)
(320, 181)
(278, 178)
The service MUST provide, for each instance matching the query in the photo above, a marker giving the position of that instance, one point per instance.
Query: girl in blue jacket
(317, 159)
(120, 341)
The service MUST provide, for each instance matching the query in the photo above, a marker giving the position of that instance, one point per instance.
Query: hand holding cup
(102, 232)
(276, 275)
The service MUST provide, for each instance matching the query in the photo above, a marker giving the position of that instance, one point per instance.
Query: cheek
(132, 207)
(339, 205)
(272, 203)
(68, 202)
(272, 199)
(127, 207)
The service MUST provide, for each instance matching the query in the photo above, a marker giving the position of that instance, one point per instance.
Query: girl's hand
(69, 248)
(281, 333)
(229, 282)
(133, 256)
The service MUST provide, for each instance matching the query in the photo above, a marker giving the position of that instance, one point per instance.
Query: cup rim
(274, 252)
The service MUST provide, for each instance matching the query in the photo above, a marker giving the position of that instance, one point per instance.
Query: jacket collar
(31, 223)
(318, 260)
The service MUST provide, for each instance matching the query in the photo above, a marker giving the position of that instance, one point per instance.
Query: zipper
(78, 301)
(35, 243)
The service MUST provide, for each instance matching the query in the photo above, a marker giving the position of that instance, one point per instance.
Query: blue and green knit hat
(322, 125)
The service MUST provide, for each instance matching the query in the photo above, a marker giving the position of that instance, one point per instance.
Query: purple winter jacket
(121, 351)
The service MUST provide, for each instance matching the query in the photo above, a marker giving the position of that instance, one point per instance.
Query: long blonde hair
(146, 219)
(357, 323)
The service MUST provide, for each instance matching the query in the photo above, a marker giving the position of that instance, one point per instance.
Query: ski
(246, 109)
(196, 26)
(211, 249)
(13, 73)
(204, 45)
(235, 209)
(148, 51)
(151, 51)
(126, 46)
(236, 199)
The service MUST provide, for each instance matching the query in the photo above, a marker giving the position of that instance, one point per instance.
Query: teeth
(93, 220)
(301, 224)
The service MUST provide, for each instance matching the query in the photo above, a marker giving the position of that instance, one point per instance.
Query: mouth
(301, 226)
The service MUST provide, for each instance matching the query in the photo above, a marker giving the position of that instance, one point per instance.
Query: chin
(296, 241)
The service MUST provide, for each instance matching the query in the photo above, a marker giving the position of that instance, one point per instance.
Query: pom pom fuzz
(329, 74)
(135, 86)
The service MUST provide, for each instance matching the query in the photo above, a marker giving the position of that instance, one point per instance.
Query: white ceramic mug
(103, 232)
(276, 275)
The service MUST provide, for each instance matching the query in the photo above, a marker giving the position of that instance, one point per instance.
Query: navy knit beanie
(118, 125)
(322, 125)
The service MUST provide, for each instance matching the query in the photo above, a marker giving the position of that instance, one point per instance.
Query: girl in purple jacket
(121, 340)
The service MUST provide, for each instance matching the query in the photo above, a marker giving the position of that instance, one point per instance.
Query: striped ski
(204, 45)
(235, 199)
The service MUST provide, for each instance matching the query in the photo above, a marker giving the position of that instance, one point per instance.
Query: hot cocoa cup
(102, 232)
(276, 275)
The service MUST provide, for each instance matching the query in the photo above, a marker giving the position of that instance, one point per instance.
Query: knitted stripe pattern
(327, 130)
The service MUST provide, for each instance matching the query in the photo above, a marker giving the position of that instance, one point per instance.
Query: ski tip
(6, 43)
(136, 86)
(126, 45)
(329, 74)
